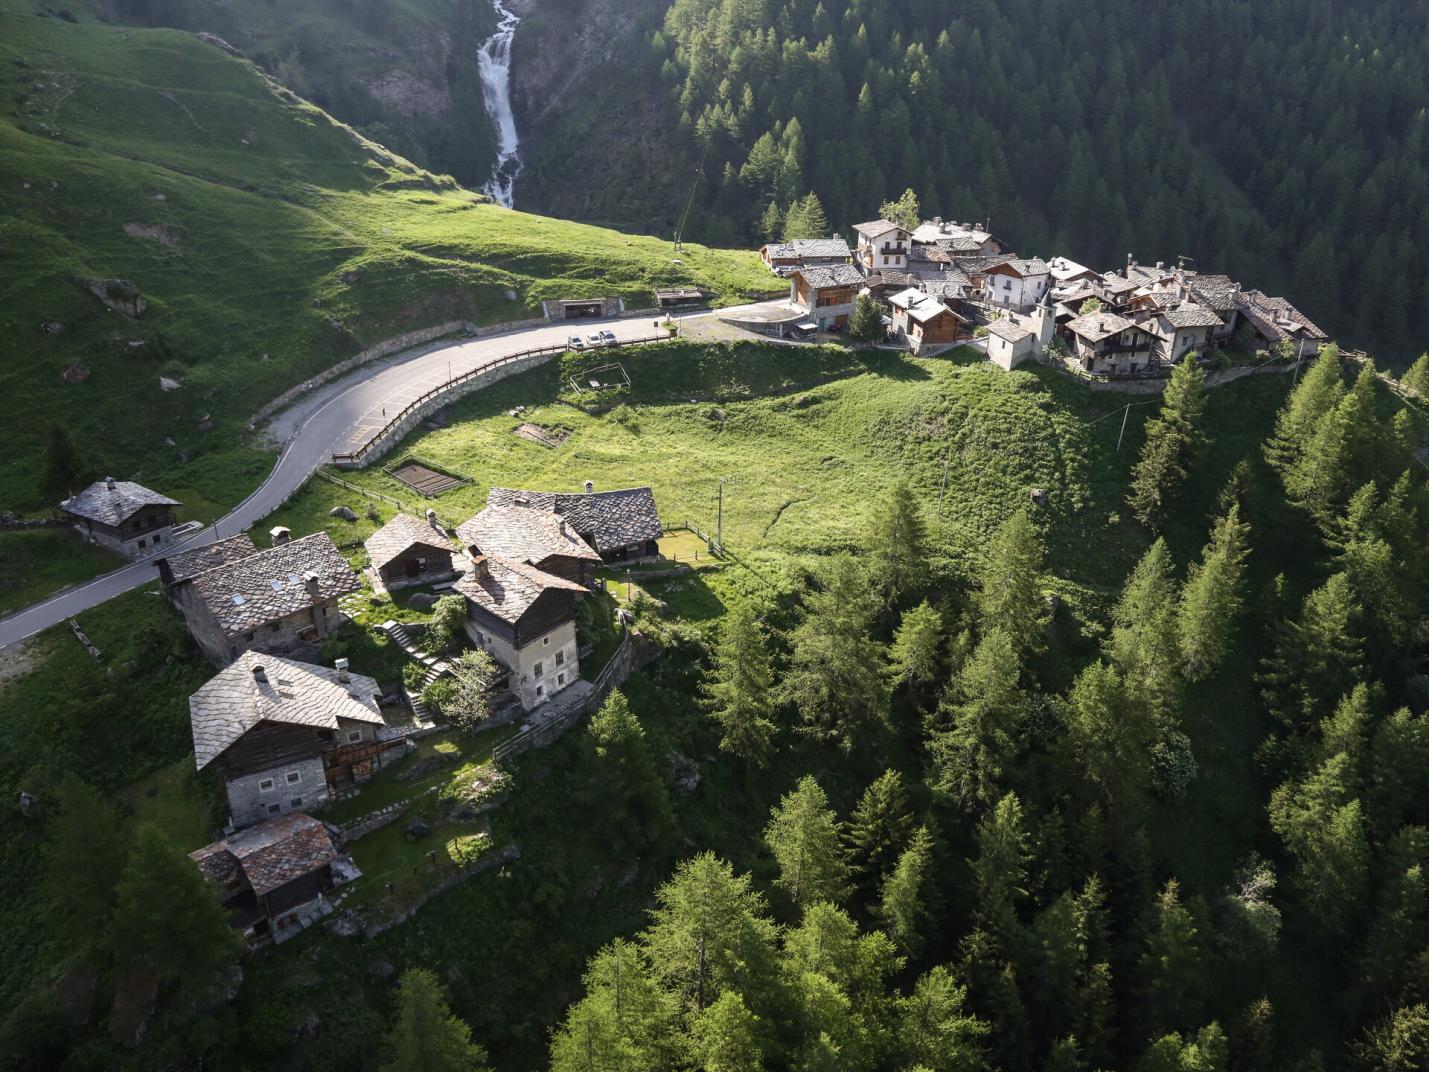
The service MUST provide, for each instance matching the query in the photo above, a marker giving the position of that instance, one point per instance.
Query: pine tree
(1317, 657)
(771, 223)
(726, 1036)
(709, 933)
(625, 771)
(836, 674)
(877, 831)
(866, 323)
(1206, 1051)
(1399, 1043)
(1110, 739)
(425, 1035)
(1173, 963)
(1171, 440)
(986, 710)
(1001, 869)
(806, 219)
(1313, 399)
(1399, 770)
(903, 904)
(1416, 378)
(935, 1029)
(896, 544)
(1212, 597)
(803, 835)
(1322, 824)
(189, 941)
(916, 656)
(1009, 595)
(1143, 643)
(1318, 480)
(737, 690)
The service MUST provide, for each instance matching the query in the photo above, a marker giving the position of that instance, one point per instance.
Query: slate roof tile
(113, 505)
(608, 520)
(399, 536)
(244, 594)
(186, 565)
(507, 588)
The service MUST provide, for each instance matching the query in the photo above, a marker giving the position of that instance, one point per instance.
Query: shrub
(448, 617)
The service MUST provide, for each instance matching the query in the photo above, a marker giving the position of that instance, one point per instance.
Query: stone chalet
(882, 244)
(525, 619)
(408, 551)
(276, 600)
(925, 322)
(282, 734)
(1108, 344)
(122, 516)
(826, 294)
(958, 239)
(271, 875)
(1275, 320)
(175, 571)
(1179, 330)
(539, 538)
(782, 258)
(1017, 284)
(622, 525)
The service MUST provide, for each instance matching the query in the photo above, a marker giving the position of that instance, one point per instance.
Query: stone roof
(234, 700)
(189, 564)
(945, 289)
(940, 231)
(1063, 269)
(874, 228)
(820, 277)
(112, 502)
(506, 587)
(780, 251)
(1192, 316)
(607, 520)
(524, 534)
(1094, 327)
(273, 583)
(1116, 284)
(920, 306)
(980, 265)
(890, 277)
(820, 247)
(1217, 291)
(399, 536)
(1006, 329)
(270, 855)
(1028, 266)
(1276, 318)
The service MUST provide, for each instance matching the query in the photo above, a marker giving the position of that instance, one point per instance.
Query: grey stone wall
(248, 804)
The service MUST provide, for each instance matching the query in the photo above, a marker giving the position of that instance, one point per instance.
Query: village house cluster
(945, 282)
(286, 734)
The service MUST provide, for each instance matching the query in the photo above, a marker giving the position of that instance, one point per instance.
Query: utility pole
(1124, 417)
(719, 522)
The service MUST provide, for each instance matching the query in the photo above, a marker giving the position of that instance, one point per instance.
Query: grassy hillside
(268, 240)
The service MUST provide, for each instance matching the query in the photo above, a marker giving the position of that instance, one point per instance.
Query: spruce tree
(1212, 597)
(727, 1036)
(1322, 824)
(1110, 738)
(771, 222)
(866, 323)
(803, 835)
(64, 472)
(903, 903)
(1317, 657)
(1313, 399)
(1171, 440)
(806, 219)
(1010, 595)
(916, 655)
(896, 544)
(973, 757)
(737, 690)
(1143, 643)
(425, 1035)
(625, 771)
(1416, 377)
(1000, 870)
(935, 1029)
(877, 831)
(1173, 963)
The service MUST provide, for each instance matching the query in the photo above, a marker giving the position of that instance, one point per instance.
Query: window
(560, 679)
(421, 564)
(141, 543)
(294, 777)
(247, 637)
(560, 658)
(538, 669)
(546, 641)
(540, 690)
(296, 802)
(274, 809)
(265, 785)
(353, 736)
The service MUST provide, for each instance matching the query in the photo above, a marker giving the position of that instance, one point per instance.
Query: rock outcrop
(120, 295)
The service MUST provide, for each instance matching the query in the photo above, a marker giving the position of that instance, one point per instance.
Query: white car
(607, 338)
(575, 342)
(594, 339)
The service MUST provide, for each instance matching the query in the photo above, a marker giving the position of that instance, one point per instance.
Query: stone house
(925, 322)
(826, 294)
(540, 538)
(958, 239)
(271, 875)
(1108, 344)
(1179, 330)
(274, 600)
(621, 526)
(1009, 344)
(281, 733)
(1017, 284)
(1275, 320)
(176, 571)
(408, 551)
(123, 516)
(882, 244)
(525, 619)
(782, 258)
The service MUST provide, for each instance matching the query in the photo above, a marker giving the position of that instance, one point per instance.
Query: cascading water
(494, 63)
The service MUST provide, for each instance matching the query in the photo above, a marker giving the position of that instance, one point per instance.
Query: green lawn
(35, 563)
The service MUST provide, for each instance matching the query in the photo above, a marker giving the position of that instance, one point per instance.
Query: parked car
(607, 338)
(575, 342)
(594, 339)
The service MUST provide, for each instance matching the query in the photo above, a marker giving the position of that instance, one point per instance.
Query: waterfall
(494, 63)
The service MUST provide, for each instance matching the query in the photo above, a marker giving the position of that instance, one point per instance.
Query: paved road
(311, 429)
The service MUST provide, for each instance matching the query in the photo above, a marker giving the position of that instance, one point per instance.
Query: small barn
(123, 516)
(408, 551)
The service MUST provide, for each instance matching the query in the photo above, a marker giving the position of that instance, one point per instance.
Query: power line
(694, 185)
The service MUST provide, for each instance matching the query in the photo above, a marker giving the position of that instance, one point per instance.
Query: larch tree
(1313, 399)
(1171, 440)
(806, 219)
(1416, 377)
(727, 1036)
(905, 211)
(1205, 1051)
(1317, 657)
(984, 714)
(623, 1021)
(936, 1031)
(771, 222)
(1110, 739)
(877, 832)
(1173, 963)
(1212, 597)
(738, 688)
(803, 835)
(836, 676)
(903, 902)
(425, 1035)
(915, 659)
(896, 544)
(1000, 870)
(1322, 825)
(1398, 1043)
(1143, 642)
(1009, 590)
(625, 770)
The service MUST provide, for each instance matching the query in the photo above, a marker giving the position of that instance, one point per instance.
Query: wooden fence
(358, 458)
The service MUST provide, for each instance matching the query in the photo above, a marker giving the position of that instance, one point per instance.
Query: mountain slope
(268, 240)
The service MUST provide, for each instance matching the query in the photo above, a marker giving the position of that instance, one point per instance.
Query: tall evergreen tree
(1171, 440)
(1173, 963)
(1143, 643)
(738, 688)
(986, 709)
(1009, 593)
(904, 901)
(1000, 870)
(896, 544)
(1212, 597)
(1322, 824)
(1317, 657)
(626, 771)
(803, 835)
(727, 1037)
(425, 1036)
(915, 658)
(878, 830)
(935, 1029)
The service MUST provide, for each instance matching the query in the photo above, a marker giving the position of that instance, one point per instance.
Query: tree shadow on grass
(892, 365)
(688, 597)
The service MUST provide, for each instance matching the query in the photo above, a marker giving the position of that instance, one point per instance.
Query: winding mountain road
(322, 420)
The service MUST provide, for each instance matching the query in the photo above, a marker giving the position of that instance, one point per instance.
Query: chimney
(109, 482)
(342, 674)
(432, 519)
(310, 582)
(589, 486)
(479, 567)
(259, 674)
(280, 534)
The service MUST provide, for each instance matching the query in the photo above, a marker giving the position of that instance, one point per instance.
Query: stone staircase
(435, 666)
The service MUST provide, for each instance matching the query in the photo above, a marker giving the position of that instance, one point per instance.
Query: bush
(448, 618)
(412, 675)
(439, 694)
